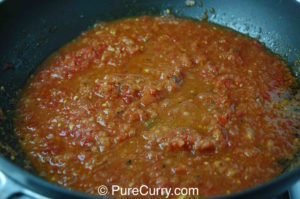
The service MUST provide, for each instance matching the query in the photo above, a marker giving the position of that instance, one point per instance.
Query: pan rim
(39, 185)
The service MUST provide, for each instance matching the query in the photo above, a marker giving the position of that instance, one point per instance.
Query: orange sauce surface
(160, 101)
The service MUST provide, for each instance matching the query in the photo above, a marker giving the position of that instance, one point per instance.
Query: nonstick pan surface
(31, 30)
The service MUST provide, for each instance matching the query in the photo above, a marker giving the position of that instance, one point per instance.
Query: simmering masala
(160, 101)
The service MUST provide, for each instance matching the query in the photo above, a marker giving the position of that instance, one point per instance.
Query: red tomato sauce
(160, 101)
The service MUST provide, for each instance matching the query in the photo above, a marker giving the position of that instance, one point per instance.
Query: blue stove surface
(295, 191)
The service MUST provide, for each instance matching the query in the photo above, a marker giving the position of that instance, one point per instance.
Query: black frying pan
(30, 30)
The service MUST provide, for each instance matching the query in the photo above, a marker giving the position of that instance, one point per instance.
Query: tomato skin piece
(223, 120)
(266, 96)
